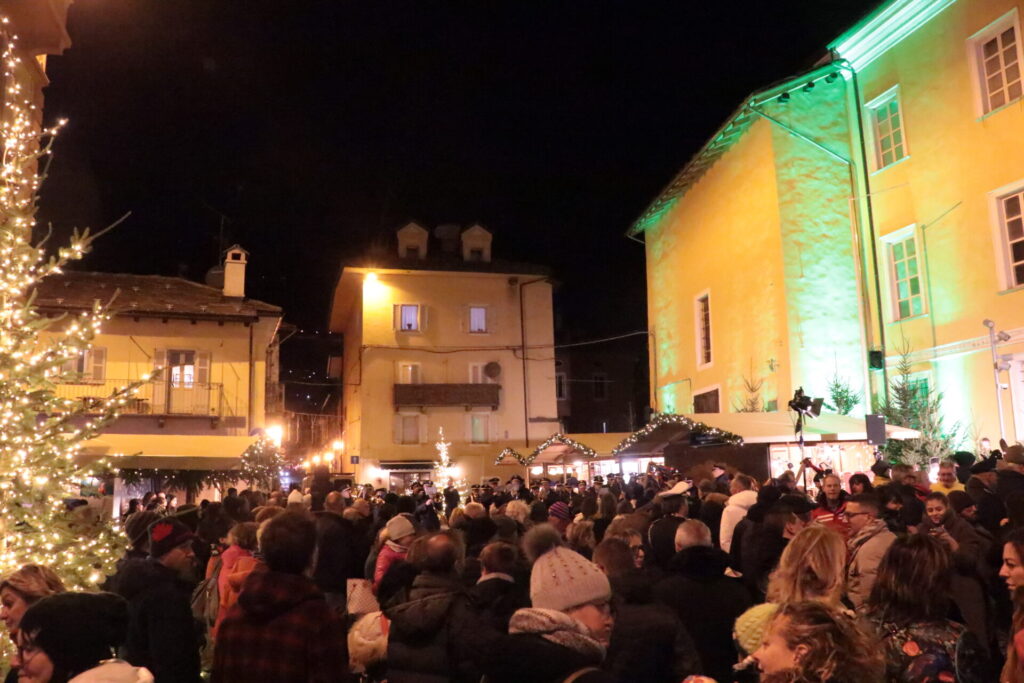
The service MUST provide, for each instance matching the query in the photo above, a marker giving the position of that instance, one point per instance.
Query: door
(188, 387)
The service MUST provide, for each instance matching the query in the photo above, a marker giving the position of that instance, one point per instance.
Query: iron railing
(153, 398)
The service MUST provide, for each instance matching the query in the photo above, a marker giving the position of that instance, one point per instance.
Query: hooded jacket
(735, 510)
(280, 630)
(162, 634)
(866, 549)
(435, 636)
(707, 602)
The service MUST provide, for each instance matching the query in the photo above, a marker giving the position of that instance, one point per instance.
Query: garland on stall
(698, 428)
(586, 451)
(523, 460)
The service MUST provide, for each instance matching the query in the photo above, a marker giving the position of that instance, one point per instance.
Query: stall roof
(755, 428)
(558, 448)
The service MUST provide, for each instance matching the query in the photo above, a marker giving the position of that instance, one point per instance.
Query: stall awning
(709, 428)
(168, 452)
(559, 448)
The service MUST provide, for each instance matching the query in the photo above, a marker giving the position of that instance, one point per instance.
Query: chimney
(234, 272)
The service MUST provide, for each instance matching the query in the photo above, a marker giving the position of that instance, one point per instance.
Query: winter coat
(834, 517)
(865, 551)
(649, 642)
(368, 646)
(435, 636)
(762, 547)
(932, 651)
(229, 560)
(1008, 482)
(340, 553)
(711, 509)
(280, 630)
(497, 598)
(389, 553)
(114, 671)
(545, 646)
(162, 634)
(735, 510)
(707, 602)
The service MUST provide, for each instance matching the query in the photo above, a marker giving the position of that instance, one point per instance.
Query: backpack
(206, 597)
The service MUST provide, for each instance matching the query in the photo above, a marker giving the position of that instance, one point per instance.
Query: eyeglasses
(850, 515)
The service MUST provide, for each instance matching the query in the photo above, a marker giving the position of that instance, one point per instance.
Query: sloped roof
(145, 295)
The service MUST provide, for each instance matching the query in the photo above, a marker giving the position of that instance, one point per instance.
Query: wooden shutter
(421, 311)
(396, 428)
(423, 428)
(97, 364)
(202, 368)
(160, 362)
(396, 317)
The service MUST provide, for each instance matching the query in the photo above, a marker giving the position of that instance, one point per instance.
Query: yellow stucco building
(442, 335)
(865, 208)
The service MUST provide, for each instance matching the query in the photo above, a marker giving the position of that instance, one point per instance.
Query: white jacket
(735, 510)
(114, 671)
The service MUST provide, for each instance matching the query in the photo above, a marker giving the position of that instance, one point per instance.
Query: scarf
(559, 628)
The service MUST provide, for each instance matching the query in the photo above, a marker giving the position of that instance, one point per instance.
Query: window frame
(699, 332)
(469, 319)
(872, 107)
(888, 242)
(976, 61)
(716, 389)
(85, 367)
(401, 417)
(478, 367)
(1000, 235)
(400, 372)
(486, 416)
(399, 314)
(561, 386)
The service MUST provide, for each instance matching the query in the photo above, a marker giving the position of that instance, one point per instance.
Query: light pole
(998, 365)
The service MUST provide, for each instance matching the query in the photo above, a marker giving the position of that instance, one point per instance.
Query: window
(600, 381)
(996, 53)
(478, 374)
(89, 367)
(706, 402)
(906, 280)
(1010, 208)
(182, 366)
(561, 386)
(477, 319)
(407, 317)
(479, 426)
(703, 311)
(887, 127)
(409, 373)
(410, 429)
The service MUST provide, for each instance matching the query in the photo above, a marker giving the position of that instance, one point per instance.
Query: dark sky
(318, 126)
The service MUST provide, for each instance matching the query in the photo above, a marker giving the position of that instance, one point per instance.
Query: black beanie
(77, 631)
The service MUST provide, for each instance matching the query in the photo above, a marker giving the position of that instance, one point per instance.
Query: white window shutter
(396, 428)
(492, 427)
(97, 358)
(396, 316)
(423, 428)
(160, 361)
(202, 368)
(422, 316)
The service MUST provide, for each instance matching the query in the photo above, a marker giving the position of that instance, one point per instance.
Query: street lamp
(998, 365)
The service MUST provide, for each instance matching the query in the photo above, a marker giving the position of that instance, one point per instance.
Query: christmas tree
(445, 472)
(41, 434)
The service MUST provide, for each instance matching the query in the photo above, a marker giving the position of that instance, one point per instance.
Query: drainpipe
(252, 380)
(522, 339)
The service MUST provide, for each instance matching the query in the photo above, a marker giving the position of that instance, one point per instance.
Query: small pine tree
(843, 398)
(752, 402)
(916, 407)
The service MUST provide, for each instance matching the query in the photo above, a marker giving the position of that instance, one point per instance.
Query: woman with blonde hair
(519, 511)
(812, 567)
(19, 591)
(581, 538)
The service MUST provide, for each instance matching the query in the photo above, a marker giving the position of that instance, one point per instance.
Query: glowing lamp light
(316, 459)
(338, 446)
(371, 277)
(276, 434)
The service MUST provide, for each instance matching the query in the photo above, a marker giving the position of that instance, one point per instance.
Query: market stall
(565, 456)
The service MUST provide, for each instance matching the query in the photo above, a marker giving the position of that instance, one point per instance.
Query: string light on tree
(445, 472)
(41, 434)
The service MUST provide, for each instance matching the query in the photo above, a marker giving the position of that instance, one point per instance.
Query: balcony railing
(154, 398)
(306, 431)
(436, 395)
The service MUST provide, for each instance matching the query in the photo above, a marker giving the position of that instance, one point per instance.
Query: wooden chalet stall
(564, 456)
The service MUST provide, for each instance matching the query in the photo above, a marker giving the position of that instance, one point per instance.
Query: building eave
(882, 29)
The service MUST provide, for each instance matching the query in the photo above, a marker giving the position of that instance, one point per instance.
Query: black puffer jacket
(708, 603)
(435, 637)
(162, 635)
(649, 642)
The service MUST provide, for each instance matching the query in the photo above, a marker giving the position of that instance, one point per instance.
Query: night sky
(311, 129)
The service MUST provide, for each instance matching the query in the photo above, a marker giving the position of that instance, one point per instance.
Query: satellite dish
(493, 369)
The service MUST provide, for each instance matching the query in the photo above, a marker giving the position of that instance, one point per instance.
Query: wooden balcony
(441, 395)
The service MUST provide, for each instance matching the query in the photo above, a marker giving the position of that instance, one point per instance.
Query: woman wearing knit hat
(564, 635)
(19, 591)
(71, 637)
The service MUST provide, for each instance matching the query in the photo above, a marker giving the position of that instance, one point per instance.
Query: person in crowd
(742, 497)
(947, 479)
(859, 483)
(565, 634)
(831, 509)
(908, 606)
(712, 505)
(581, 538)
(162, 635)
(559, 516)
(1010, 477)
(990, 510)
(134, 505)
(880, 470)
(812, 567)
(400, 533)
(19, 591)
(241, 543)
(1012, 572)
(662, 533)
(634, 540)
(648, 642)
(477, 528)
(435, 635)
(705, 599)
(869, 539)
(281, 629)
(764, 544)
(891, 511)
(497, 594)
(767, 496)
(809, 642)
(607, 509)
(519, 510)
(136, 528)
(74, 637)
(341, 551)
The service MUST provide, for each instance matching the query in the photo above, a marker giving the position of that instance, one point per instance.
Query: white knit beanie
(399, 526)
(562, 579)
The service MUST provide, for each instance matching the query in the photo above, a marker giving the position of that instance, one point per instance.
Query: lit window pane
(903, 290)
(897, 251)
(477, 319)
(915, 286)
(901, 270)
(918, 306)
(410, 317)
(904, 309)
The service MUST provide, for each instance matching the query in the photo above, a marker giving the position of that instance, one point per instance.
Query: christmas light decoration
(445, 472)
(585, 451)
(261, 464)
(41, 434)
(523, 460)
(694, 427)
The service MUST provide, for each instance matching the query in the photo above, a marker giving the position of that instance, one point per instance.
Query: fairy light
(446, 472)
(693, 426)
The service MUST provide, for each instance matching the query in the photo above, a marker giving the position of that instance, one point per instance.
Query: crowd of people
(886, 576)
